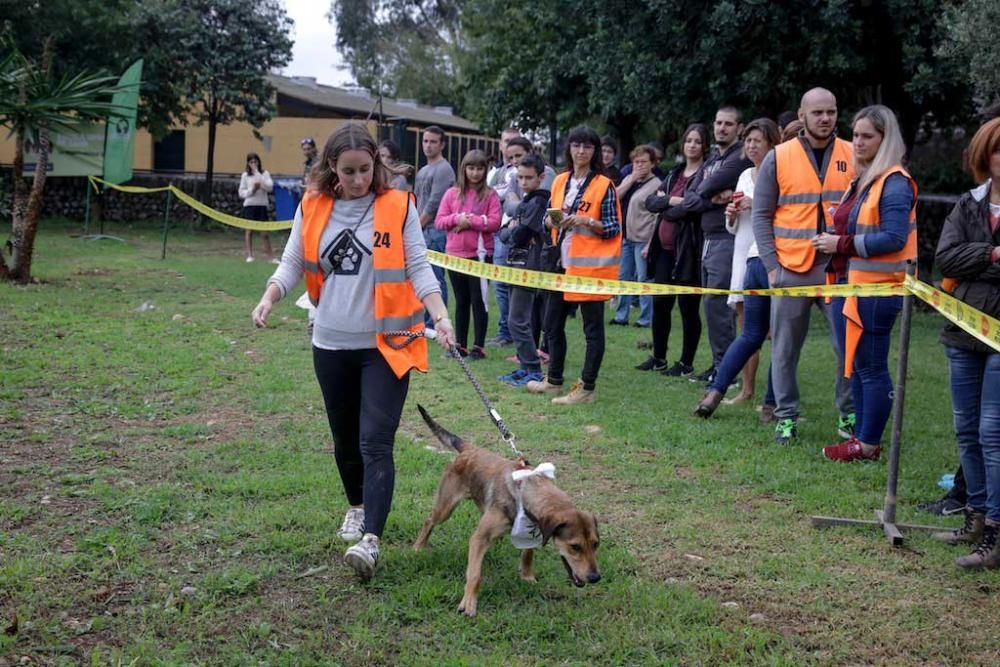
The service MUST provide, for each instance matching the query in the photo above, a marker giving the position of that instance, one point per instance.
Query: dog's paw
(468, 607)
(530, 578)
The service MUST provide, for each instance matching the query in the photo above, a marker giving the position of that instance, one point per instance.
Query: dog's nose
(594, 577)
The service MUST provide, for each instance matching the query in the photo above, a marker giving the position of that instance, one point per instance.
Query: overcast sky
(314, 53)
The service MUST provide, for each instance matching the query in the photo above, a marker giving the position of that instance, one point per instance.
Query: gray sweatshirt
(433, 180)
(345, 317)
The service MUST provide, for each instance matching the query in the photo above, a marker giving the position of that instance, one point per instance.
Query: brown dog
(486, 479)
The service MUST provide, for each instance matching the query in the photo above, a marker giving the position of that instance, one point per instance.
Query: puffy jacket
(964, 254)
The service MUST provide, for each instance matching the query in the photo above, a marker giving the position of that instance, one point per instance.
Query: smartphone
(557, 216)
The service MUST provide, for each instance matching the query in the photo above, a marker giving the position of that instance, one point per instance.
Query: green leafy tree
(970, 40)
(34, 102)
(402, 48)
(219, 54)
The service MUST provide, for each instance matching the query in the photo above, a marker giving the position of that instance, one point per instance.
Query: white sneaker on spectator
(353, 528)
(363, 557)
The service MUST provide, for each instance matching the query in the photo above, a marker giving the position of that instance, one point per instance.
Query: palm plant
(33, 104)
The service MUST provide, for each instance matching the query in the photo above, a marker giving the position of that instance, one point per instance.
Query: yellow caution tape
(558, 282)
(983, 327)
(207, 211)
(227, 219)
(975, 323)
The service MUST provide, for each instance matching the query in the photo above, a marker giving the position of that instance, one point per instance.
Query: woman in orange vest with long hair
(876, 235)
(588, 239)
(359, 245)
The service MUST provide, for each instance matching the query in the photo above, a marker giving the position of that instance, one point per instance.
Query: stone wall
(65, 197)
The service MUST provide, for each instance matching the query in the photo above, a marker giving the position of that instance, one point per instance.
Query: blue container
(287, 193)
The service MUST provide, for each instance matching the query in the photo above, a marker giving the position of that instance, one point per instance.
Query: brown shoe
(767, 414)
(577, 394)
(987, 553)
(971, 531)
(543, 387)
(708, 404)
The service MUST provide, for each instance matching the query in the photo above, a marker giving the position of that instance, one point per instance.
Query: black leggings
(664, 305)
(469, 296)
(364, 400)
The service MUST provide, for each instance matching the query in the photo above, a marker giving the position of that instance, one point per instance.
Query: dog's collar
(541, 470)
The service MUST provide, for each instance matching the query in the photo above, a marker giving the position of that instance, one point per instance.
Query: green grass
(167, 482)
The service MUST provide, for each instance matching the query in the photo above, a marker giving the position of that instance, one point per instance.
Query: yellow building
(305, 109)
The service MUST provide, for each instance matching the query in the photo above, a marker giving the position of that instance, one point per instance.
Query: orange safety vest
(396, 304)
(589, 255)
(800, 192)
(888, 268)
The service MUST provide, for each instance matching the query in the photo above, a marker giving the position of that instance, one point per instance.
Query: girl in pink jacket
(470, 213)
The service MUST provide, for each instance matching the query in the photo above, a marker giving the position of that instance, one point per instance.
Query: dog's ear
(551, 525)
(597, 533)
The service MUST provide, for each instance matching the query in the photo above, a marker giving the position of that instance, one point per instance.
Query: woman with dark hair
(587, 239)
(359, 245)
(759, 137)
(255, 183)
(968, 255)
(389, 151)
(674, 257)
(470, 213)
(876, 235)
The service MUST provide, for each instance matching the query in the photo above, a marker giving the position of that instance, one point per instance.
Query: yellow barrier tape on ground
(975, 323)
(558, 282)
(204, 209)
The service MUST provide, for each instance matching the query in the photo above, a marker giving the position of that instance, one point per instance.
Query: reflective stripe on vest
(589, 254)
(397, 307)
(800, 192)
(887, 268)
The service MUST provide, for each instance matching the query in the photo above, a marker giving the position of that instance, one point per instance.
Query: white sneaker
(249, 259)
(353, 528)
(363, 557)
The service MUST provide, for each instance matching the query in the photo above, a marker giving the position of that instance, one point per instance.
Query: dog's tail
(445, 436)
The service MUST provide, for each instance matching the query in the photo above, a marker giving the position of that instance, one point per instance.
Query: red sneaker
(850, 451)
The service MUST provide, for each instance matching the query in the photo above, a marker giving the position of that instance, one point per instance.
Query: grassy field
(168, 496)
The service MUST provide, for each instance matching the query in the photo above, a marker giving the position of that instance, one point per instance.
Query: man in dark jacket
(525, 236)
(709, 198)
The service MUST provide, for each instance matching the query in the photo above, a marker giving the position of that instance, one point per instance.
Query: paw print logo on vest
(345, 254)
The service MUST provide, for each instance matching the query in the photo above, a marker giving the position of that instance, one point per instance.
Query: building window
(168, 152)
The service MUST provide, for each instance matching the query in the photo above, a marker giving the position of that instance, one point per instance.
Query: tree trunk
(27, 213)
(210, 159)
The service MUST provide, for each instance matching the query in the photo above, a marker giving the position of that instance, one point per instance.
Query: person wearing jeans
(968, 255)
(875, 231)
(638, 226)
(759, 137)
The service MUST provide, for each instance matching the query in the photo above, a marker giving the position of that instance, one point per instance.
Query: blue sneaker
(513, 377)
(535, 376)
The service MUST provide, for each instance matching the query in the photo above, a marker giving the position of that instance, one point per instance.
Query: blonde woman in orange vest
(589, 242)
(798, 185)
(876, 231)
(359, 245)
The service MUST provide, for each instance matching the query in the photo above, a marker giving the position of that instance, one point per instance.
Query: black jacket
(963, 253)
(687, 232)
(525, 233)
(720, 173)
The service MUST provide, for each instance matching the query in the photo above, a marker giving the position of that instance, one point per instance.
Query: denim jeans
(756, 324)
(522, 310)
(435, 239)
(975, 397)
(871, 382)
(633, 267)
(502, 290)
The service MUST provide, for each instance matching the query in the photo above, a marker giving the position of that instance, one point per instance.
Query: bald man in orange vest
(798, 185)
